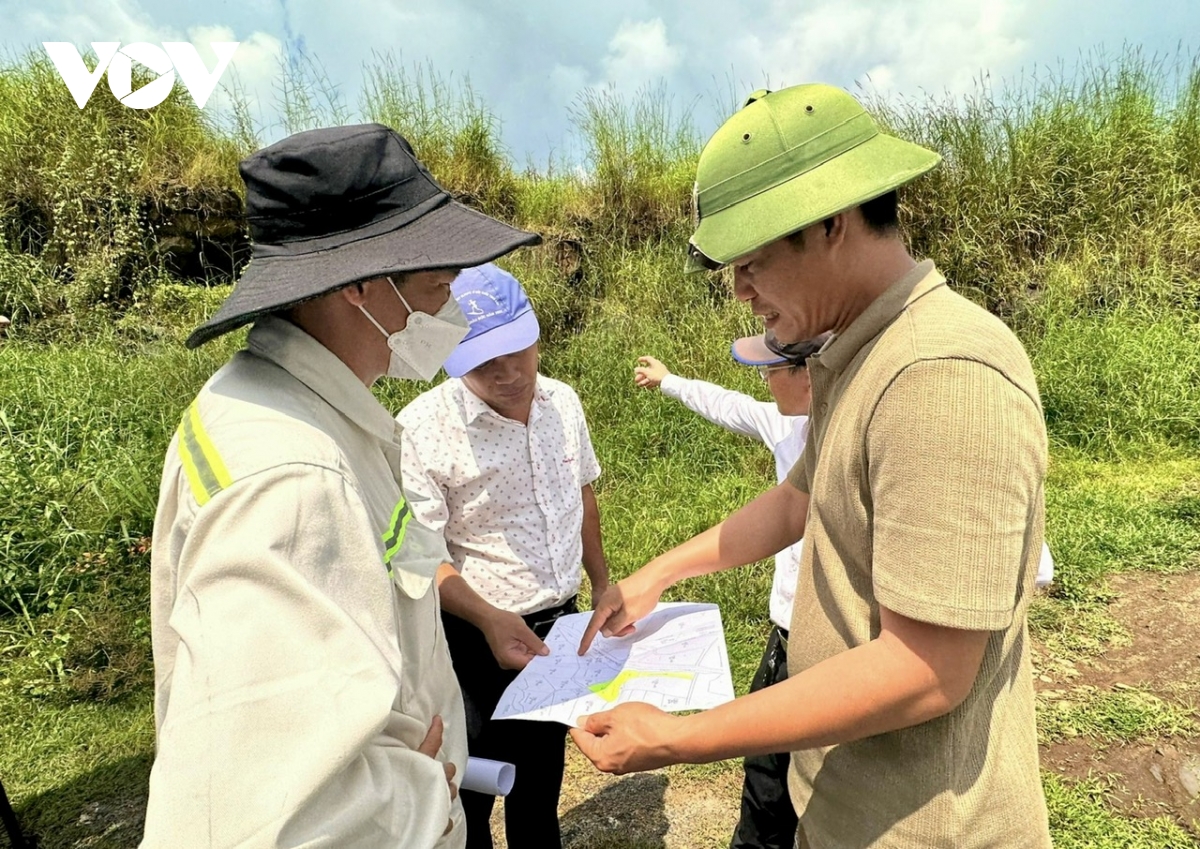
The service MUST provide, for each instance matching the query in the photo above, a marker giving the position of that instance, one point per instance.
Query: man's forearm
(594, 562)
(872, 689)
(459, 599)
(765, 526)
(512, 642)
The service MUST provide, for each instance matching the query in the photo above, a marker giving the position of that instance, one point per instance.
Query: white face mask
(426, 341)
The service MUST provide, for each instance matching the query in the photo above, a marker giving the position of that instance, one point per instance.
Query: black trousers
(537, 749)
(768, 818)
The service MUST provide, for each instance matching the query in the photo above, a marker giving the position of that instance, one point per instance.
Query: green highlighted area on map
(611, 690)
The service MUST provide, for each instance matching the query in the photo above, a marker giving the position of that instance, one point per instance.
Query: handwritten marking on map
(676, 660)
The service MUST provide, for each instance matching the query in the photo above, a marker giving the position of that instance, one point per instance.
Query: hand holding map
(628, 738)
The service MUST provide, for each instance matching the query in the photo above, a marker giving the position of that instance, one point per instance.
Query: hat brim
(753, 351)
(449, 236)
(867, 171)
(516, 335)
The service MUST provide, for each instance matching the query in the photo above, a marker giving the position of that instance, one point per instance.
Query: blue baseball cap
(499, 314)
(753, 351)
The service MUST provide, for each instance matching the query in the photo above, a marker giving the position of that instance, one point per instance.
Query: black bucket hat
(332, 207)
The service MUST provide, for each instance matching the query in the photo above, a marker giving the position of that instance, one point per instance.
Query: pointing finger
(599, 618)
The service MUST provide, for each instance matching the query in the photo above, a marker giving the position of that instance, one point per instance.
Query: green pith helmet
(786, 160)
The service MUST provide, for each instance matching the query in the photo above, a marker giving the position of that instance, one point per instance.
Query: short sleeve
(801, 474)
(589, 466)
(956, 457)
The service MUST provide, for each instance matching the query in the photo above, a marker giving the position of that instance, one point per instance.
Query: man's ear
(835, 229)
(356, 293)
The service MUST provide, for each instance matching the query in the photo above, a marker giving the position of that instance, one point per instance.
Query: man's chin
(790, 331)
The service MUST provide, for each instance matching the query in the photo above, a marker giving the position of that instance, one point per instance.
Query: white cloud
(640, 53)
(105, 20)
(254, 68)
(530, 62)
(925, 45)
(881, 77)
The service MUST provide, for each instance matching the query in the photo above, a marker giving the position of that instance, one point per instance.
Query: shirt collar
(919, 281)
(474, 406)
(322, 371)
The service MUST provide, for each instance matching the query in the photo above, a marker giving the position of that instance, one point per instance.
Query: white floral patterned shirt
(508, 496)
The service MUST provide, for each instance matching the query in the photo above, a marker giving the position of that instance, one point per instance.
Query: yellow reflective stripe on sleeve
(394, 538)
(205, 470)
(189, 467)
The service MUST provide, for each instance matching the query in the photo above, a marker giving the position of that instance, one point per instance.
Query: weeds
(305, 96)
(642, 161)
(1122, 382)
(79, 210)
(1080, 818)
(1125, 714)
(1100, 161)
(1104, 518)
(453, 133)
(82, 434)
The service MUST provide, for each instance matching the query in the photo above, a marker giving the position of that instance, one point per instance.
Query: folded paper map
(674, 660)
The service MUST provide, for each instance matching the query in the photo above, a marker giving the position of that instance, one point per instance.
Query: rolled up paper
(492, 777)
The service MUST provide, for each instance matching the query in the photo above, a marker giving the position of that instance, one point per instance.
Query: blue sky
(531, 60)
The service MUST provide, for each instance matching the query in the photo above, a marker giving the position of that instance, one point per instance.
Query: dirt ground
(677, 808)
(1158, 777)
(684, 808)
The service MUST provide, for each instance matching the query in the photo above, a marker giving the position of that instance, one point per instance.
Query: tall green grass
(452, 130)
(1095, 165)
(80, 189)
(641, 156)
(83, 430)
(1122, 382)
(1100, 161)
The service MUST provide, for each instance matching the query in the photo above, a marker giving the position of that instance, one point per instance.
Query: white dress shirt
(507, 495)
(298, 652)
(784, 435)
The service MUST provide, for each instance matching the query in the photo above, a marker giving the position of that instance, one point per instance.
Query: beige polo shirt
(925, 466)
(299, 656)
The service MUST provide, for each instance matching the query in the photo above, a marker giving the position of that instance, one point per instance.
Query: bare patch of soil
(1161, 613)
(1148, 780)
(118, 822)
